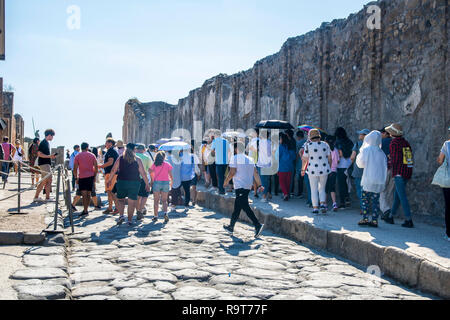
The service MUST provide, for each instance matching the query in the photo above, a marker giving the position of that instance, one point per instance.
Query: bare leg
(164, 196)
(110, 200)
(121, 206)
(47, 189)
(194, 194)
(156, 196)
(75, 200)
(131, 208)
(40, 187)
(86, 200)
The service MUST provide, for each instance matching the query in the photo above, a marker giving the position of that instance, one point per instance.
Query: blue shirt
(286, 159)
(176, 171)
(221, 146)
(187, 167)
(72, 159)
(385, 144)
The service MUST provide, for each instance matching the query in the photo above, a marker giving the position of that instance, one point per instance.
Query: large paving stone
(96, 276)
(39, 273)
(127, 283)
(164, 286)
(259, 273)
(46, 251)
(179, 265)
(196, 293)
(93, 291)
(188, 274)
(41, 292)
(53, 261)
(158, 275)
(229, 279)
(142, 294)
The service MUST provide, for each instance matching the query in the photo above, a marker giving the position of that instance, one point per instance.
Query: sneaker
(259, 230)
(121, 220)
(389, 220)
(408, 224)
(139, 215)
(315, 211)
(385, 215)
(38, 200)
(107, 211)
(364, 222)
(144, 211)
(74, 208)
(324, 209)
(286, 198)
(373, 224)
(155, 219)
(166, 218)
(335, 207)
(229, 229)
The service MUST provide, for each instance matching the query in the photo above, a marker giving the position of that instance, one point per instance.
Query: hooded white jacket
(374, 162)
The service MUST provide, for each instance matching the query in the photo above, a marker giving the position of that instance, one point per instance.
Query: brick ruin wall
(342, 74)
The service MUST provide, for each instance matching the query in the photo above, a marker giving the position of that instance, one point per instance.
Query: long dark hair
(284, 139)
(159, 160)
(341, 133)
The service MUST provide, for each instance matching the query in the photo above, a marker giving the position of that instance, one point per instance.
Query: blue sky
(77, 81)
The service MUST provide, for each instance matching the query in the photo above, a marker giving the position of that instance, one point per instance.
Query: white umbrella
(175, 145)
(175, 139)
(163, 140)
(234, 134)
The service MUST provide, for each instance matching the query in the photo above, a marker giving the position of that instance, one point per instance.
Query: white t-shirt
(245, 168)
(265, 152)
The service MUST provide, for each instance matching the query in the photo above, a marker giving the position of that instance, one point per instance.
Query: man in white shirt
(243, 171)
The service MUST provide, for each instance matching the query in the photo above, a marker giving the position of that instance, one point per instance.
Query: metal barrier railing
(58, 171)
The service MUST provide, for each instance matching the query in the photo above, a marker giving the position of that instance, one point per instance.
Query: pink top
(334, 160)
(85, 162)
(6, 150)
(161, 173)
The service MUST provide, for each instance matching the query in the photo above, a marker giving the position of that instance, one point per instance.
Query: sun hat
(119, 144)
(314, 133)
(364, 132)
(395, 130)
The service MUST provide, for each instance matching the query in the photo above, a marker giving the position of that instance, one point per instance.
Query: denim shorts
(161, 186)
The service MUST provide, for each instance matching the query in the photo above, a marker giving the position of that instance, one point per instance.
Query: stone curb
(405, 267)
(19, 238)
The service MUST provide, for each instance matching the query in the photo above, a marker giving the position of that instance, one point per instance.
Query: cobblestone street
(192, 257)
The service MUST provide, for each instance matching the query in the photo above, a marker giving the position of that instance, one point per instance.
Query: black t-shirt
(44, 147)
(111, 153)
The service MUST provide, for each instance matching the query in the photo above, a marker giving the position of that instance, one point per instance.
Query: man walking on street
(243, 171)
(85, 169)
(45, 162)
(110, 158)
(401, 162)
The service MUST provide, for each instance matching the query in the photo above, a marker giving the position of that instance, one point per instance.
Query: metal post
(57, 197)
(19, 167)
(19, 177)
(69, 205)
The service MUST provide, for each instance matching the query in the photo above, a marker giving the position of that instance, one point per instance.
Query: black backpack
(346, 147)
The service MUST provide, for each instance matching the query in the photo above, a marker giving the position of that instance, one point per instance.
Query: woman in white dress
(18, 155)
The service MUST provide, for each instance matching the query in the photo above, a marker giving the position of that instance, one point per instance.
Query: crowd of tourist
(309, 164)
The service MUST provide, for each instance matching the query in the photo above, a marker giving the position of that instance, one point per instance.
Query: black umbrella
(274, 124)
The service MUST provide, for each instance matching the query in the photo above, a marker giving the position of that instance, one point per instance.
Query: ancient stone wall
(342, 74)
